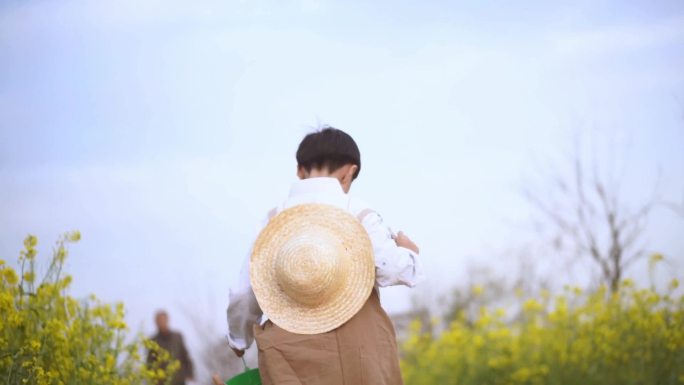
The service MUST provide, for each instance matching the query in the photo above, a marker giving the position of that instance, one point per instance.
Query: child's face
(344, 174)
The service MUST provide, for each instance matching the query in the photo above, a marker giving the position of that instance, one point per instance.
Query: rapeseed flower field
(632, 336)
(50, 338)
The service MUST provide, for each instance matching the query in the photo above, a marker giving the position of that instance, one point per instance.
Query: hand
(238, 352)
(216, 380)
(402, 240)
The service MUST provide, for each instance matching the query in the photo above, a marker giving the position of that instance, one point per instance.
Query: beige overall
(363, 351)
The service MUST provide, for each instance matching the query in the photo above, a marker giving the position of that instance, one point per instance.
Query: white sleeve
(243, 311)
(394, 265)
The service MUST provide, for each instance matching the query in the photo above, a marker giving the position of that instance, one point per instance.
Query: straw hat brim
(356, 285)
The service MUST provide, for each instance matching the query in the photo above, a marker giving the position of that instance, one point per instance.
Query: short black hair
(328, 148)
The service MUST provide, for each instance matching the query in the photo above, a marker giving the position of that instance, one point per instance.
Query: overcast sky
(164, 130)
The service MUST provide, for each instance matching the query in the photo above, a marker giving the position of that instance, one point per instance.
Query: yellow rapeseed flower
(50, 338)
(584, 337)
(10, 276)
(478, 290)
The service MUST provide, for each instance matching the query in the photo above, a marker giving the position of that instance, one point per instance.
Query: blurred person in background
(172, 342)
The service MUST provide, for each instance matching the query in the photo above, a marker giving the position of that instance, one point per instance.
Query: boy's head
(329, 152)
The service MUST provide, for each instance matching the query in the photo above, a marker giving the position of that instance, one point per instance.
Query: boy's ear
(303, 173)
(349, 175)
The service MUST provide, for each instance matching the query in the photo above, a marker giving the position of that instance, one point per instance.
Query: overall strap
(272, 213)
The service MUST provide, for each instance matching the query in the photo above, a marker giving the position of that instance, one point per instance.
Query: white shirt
(394, 265)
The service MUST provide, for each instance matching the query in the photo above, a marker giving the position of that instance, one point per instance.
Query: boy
(364, 347)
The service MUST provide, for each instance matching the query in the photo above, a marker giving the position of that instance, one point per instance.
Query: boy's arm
(394, 265)
(243, 311)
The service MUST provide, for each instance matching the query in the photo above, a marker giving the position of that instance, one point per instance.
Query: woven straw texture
(312, 268)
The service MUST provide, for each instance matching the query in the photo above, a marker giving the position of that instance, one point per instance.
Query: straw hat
(312, 268)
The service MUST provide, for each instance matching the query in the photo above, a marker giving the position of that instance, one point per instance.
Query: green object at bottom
(249, 377)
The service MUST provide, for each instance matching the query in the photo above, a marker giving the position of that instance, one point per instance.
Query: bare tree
(216, 359)
(219, 360)
(490, 288)
(483, 288)
(587, 219)
(677, 208)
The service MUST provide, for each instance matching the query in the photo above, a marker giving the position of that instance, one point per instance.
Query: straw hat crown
(312, 268)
